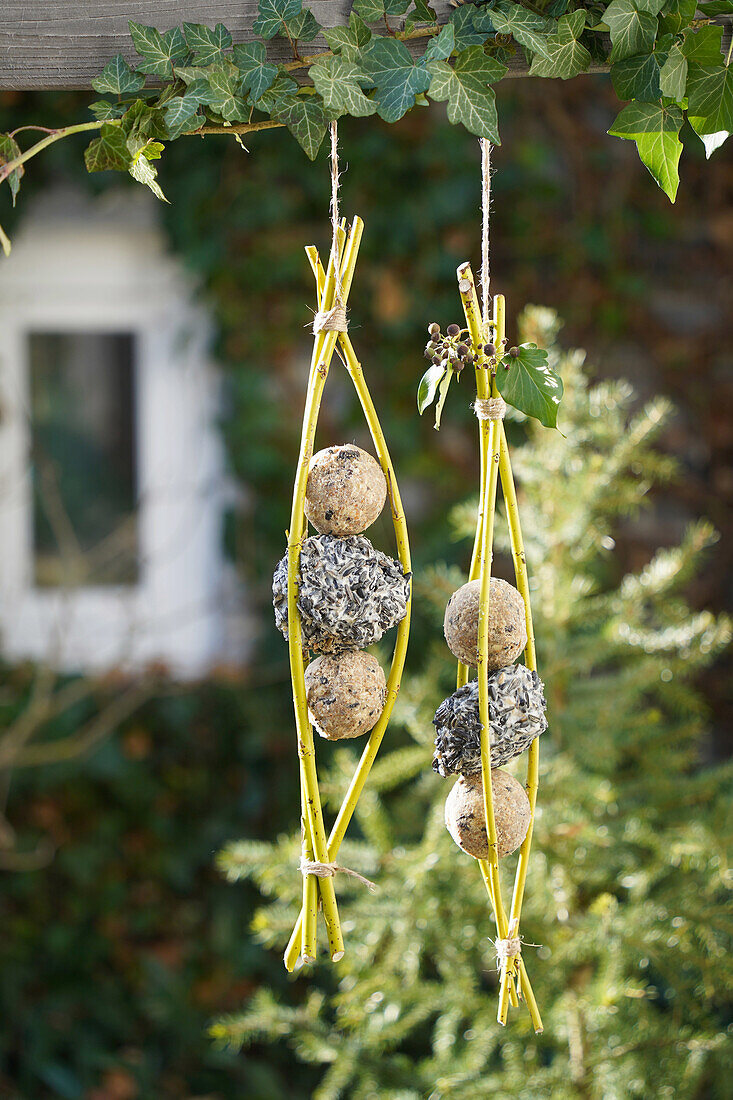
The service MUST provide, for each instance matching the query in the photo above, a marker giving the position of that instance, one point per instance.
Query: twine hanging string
(485, 205)
(334, 319)
(327, 870)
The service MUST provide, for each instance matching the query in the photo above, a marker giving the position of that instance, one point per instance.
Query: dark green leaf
(530, 385)
(646, 118)
(466, 86)
(303, 27)
(223, 94)
(281, 92)
(351, 37)
(676, 15)
(158, 51)
(526, 27)
(422, 13)
(181, 113)
(117, 78)
(428, 387)
(564, 56)
(673, 75)
(395, 76)
(251, 60)
(633, 26)
(103, 110)
(339, 83)
(464, 31)
(637, 77)
(108, 151)
(704, 46)
(711, 141)
(9, 150)
(710, 98)
(305, 119)
(441, 47)
(372, 11)
(272, 14)
(712, 8)
(207, 44)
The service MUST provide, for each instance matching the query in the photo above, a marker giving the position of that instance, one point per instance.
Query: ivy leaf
(442, 46)
(372, 11)
(281, 92)
(118, 78)
(677, 14)
(428, 387)
(144, 172)
(633, 26)
(158, 51)
(712, 8)
(251, 60)
(710, 98)
(530, 385)
(466, 87)
(339, 82)
(638, 77)
(711, 141)
(303, 27)
(208, 45)
(526, 27)
(395, 76)
(272, 14)
(9, 150)
(464, 29)
(348, 38)
(103, 110)
(564, 56)
(704, 46)
(181, 112)
(144, 122)
(223, 93)
(655, 129)
(305, 119)
(673, 74)
(108, 151)
(422, 13)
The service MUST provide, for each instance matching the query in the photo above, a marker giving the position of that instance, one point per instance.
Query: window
(82, 387)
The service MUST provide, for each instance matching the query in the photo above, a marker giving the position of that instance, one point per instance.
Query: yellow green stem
(324, 346)
(398, 659)
(310, 888)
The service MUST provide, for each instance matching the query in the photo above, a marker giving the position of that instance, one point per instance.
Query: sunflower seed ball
(348, 593)
(507, 623)
(516, 716)
(346, 491)
(465, 819)
(345, 694)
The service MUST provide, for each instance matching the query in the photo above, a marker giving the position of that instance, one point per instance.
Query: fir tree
(626, 893)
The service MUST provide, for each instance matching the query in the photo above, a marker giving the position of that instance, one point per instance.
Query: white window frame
(84, 275)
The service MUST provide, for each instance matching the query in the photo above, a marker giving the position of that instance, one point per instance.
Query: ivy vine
(665, 58)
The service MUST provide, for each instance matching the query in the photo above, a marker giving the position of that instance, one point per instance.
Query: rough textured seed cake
(507, 623)
(516, 716)
(345, 693)
(465, 819)
(346, 491)
(348, 593)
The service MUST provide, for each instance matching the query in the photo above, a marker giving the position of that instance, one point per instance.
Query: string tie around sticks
(331, 320)
(490, 408)
(327, 870)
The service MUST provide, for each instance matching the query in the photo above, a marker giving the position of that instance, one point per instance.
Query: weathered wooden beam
(47, 44)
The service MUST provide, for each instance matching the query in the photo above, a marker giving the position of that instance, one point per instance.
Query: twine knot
(510, 948)
(328, 870)
(331, 320)
(490, 408)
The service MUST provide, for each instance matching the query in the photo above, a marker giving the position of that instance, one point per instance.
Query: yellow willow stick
(530, 656)
(489, 436)
(527, 991)
(310, 887)
(398, 660)
(323, 350)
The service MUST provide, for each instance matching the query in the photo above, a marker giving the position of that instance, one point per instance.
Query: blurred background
(152, 369)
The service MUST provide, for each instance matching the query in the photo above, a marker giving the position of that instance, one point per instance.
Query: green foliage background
(119, 954)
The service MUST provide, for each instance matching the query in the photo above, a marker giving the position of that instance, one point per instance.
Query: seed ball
(433, 328)
(345, 694)
(516, 716)
(346, 491)
(453, 330)
(348, 593)
(465, 819)
(507, 623)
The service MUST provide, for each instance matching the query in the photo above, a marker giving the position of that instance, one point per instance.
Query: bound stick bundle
(334, 594)
(488, 625)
